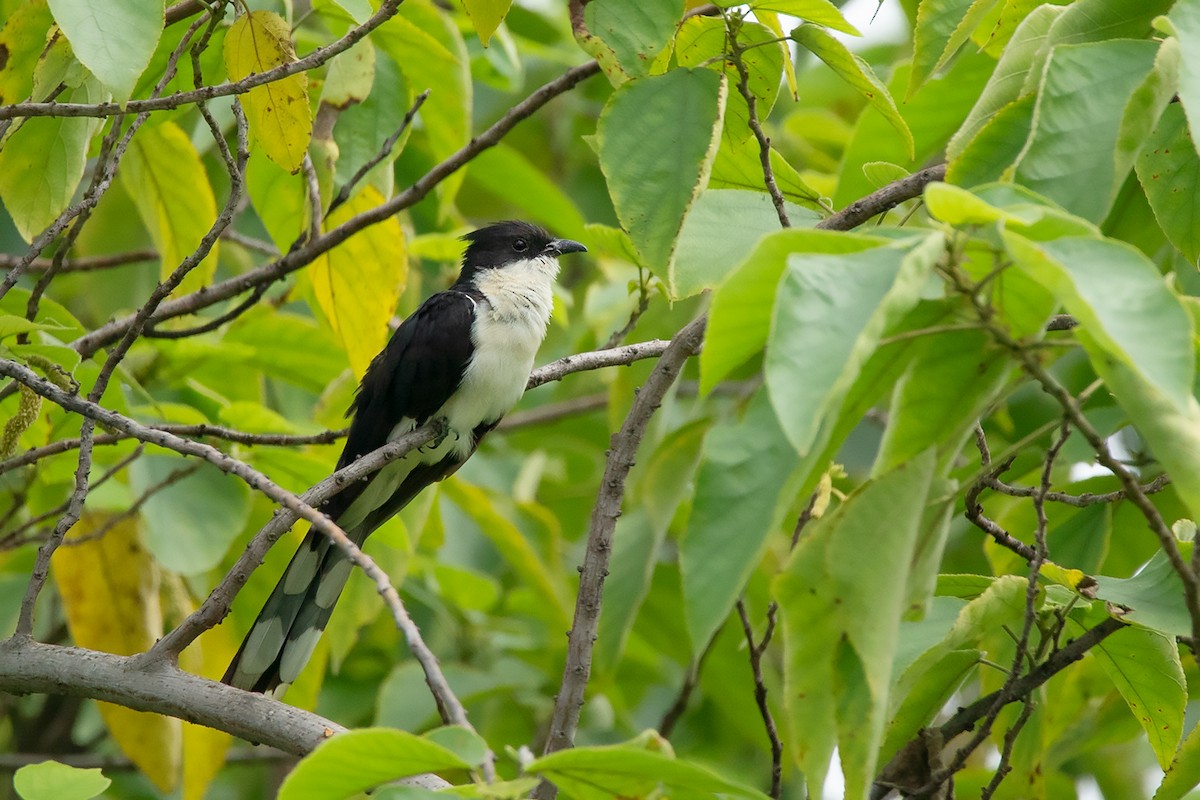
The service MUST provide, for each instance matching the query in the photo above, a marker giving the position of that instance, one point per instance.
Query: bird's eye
(520, 245)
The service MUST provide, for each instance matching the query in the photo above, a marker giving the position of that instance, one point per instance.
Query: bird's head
(513, 245)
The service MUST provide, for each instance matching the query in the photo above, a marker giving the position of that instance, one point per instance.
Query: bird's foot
(441, 427)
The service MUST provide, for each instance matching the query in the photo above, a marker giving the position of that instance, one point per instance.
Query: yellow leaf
(109, 590)
(358, 283)
(166, 179)
(486, 16)
(278, 113)
(204, 749)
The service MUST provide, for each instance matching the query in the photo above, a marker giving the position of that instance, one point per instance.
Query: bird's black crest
(500, 244)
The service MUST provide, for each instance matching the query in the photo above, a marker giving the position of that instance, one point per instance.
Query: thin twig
(764, 143)
(83, 263)
(624, 447)
(883, 199)
(1076, 500)
(974, 510)
(760, 689)
(691, 680)
(642, 304)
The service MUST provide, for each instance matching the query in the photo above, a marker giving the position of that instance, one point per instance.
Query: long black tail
(287, 629)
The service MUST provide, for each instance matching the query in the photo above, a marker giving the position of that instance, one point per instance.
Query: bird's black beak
(558, 247)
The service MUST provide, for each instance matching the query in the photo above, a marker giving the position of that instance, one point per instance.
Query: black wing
(413, 377)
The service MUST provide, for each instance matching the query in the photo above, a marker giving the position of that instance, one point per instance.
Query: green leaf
(628, 771)
(358, 760)
(424, 42)
(166, 179)
(278, 113)
(191, 523)
(844, 589)
(11, 325)
(1144, 666)
(927, 668)
(961, 208)
(1185, 19)
(996, 147)
(632, 31)
(829, 315)
(1169, 171)
(635, 552)
(373, 257)
(51, 780)
(1150, 99)
(933, 114)
(486, 16)
(942, 28)
(739, 166)
(737, 328)
(702, 41)
(22, 38)
(857, 73)
(927, 695)
(881, 173)
(1005, 85)
(1184, 773)
(656, 140)
(42, 162)
(719, 232)
(1153, 597)
(115, 39)
(511, 543)
(1122, 304)
(1070, 154)
(952, 382)
(821, 12)
(350, 78)
(279, 198)
(745, 465)
(466, 744)
(359, 10)
(1171, 431)
(362, 129)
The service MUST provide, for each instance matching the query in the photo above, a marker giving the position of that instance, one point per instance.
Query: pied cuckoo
(464, 357)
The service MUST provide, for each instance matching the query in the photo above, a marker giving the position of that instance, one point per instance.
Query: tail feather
(290, 624)
(287, 629)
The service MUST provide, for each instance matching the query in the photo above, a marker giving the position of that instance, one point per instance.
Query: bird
(463, 357)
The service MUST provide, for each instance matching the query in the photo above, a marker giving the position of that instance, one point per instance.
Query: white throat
(521, 292)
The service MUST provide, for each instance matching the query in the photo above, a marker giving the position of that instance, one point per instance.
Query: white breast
(510, 324)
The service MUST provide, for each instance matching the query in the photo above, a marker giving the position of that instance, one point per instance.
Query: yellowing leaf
(109, 590)
(358, 283)
(170, 188)
(278, 113)
(486, 16)
(22, 39)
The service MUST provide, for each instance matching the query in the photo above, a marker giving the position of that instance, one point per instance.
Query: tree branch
(27, 666)
(624, 447)
(884, 199)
